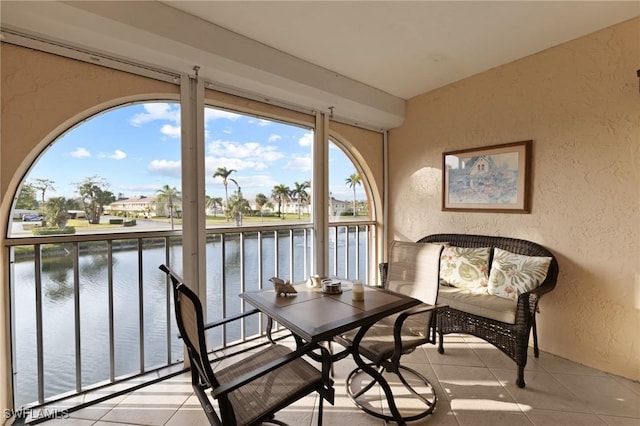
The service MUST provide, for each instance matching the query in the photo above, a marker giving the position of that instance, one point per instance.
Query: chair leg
(536, 353)
(320, 410)
(520, 381)
(441, 344)
(330, 349)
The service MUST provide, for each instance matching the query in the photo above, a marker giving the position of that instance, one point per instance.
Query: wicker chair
(510, 338)
(414, 271)
(252, 390)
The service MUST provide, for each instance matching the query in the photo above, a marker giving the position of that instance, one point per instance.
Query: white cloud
(299, 163)
(216, 114)
(118, 155)
(171, 131)
(306, 139)
(165, 168)
(260, 122)
(227, 130)
(257, 181)
(274, 138)
(80, 153)
(157, 111)
(249, 151)
(212, 163)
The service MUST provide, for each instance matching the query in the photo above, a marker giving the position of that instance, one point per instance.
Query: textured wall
(42, 94)
(580, 103)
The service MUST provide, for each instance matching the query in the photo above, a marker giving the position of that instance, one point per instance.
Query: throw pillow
(465, 267)
(513, 274)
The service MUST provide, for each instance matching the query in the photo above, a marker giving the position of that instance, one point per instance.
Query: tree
(56, 211)
(168, 195)
(280, 193)
(43, 185)
(299, 192)
(261, 201)
(238, 205)
(27, 198)
(95, 195)
(353, 181)
(212, 203)
(224, 173)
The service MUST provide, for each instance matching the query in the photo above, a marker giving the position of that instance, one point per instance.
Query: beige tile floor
(474, 383)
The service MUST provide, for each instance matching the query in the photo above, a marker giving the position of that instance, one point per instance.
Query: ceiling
(406, 48)
(363, 58)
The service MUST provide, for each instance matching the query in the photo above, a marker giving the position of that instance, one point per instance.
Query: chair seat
(378, 343)
(258, 398)
(483, 305)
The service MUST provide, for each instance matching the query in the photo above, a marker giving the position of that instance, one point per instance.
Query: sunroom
(352, 104)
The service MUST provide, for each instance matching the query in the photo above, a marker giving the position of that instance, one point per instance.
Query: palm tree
(56, 211)
(168, 195)
(300, 193)
(212, 203)
(261, 200)
(238, 206)
(224, 173)
(353, 181)
(281, 193)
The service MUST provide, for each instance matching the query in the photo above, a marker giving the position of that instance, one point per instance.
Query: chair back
(414, 270)
(190, 319)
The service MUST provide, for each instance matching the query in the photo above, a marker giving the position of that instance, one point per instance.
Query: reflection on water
(139, 307)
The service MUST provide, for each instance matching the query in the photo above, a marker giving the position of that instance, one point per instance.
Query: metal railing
(92, 310)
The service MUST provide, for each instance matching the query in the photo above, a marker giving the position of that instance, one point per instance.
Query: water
(158, 326)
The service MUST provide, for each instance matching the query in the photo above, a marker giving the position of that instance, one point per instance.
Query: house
(141, 206)
(576, 98)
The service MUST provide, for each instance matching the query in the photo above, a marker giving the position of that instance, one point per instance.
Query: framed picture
(495, 179)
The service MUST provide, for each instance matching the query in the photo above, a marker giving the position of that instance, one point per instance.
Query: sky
(136, 149)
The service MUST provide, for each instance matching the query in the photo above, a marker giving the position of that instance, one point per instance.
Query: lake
(257, 263)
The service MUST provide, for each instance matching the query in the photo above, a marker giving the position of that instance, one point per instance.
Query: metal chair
(252, 390)
(413, 270)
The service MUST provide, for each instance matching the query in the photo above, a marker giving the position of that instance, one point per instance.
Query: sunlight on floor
(473, 382)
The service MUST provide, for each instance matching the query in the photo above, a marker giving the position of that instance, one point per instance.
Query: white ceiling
(365, 58)
(406, 48)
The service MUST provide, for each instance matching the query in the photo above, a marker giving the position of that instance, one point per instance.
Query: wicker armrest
(532, 297)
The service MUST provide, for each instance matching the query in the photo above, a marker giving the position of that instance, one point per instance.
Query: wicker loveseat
(504, 323)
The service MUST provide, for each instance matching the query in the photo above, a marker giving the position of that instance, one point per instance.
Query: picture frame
(494, 178)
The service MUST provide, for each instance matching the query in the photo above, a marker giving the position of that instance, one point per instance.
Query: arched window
(102, 206)
(117, 168)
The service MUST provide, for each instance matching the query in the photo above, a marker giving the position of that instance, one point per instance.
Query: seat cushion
(484, 305)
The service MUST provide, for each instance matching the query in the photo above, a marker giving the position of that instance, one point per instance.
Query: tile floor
(474, 383)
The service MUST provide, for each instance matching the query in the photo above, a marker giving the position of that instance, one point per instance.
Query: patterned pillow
(465, 267)
(513, 274)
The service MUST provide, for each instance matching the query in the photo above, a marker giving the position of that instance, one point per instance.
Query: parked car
(32, 217)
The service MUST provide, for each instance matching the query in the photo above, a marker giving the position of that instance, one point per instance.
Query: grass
(83, 225)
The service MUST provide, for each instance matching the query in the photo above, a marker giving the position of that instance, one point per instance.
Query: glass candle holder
(357, 291)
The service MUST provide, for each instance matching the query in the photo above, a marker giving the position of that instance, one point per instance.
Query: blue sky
(136, 149)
